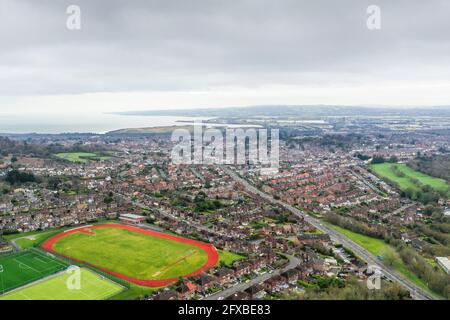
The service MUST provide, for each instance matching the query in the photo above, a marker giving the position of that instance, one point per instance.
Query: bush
(375, 231)
(436, 279)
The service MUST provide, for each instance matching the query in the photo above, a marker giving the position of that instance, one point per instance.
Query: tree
(53, 183)
(362, 156)
(17, 177)
(377, 159)
(393, 159)
(109, 198)
(409, 192)
(428, 210)
(390, 258)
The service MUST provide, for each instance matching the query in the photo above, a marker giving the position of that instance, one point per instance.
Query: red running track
(213, 257)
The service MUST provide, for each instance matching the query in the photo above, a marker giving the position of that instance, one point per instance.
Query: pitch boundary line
(170, 266)
(212, 255)
(82, 227)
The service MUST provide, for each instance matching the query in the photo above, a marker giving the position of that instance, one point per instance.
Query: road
(293, 262)
(399, 210)
(416, 292)
(367, 182)
(17, 247)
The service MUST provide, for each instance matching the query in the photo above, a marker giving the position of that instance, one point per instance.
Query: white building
(130, 218)
(444, 262)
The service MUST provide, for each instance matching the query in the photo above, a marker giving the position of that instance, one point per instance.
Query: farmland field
(92, 287)
(140, 256)
(21, 268)
(387, 171)
(80, 157)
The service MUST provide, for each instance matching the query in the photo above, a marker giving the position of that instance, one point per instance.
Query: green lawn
(135, 292)
(133, 254)
(384, 170)
(380, 248)
(33, 240)
(25, 267)
(375, 246)
(92, 287)
(80, 157)
(228, 258)
(23, 234)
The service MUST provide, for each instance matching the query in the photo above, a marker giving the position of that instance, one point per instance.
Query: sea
(84, 122)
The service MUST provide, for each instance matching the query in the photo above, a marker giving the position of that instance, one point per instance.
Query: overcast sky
(134, 55)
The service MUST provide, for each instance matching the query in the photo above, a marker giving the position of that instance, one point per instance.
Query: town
(343, 199)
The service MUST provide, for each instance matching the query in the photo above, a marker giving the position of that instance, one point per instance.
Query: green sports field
(385, 170)
(132, 254)
(21, 268)
(80, 157)
(92, 287)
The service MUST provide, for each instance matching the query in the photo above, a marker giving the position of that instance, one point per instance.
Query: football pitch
(141, 256)
(21, 268)
(92, 287)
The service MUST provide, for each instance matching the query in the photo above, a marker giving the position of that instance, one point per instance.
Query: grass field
(385, 170)
(25, 267)
(92, 287)
(34, 239)
(375, 246)
(80, 157)
(380, 248)
(228, 258)
(132, 254)
(137, 292)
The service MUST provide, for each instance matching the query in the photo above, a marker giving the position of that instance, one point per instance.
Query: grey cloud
(203, 44)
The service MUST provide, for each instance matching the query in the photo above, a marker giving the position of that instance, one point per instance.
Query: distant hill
(305, 111)
(149, 130)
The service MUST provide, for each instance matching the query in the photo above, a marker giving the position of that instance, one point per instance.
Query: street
(416, 292)
(293, 262)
